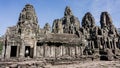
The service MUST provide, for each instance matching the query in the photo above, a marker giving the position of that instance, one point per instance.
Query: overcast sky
(48, 10)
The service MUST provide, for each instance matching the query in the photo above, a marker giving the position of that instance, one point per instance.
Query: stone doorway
(103, 55)
(13, 51)
(28, 51)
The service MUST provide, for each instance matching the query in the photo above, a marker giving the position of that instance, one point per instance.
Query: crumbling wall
(58, 50)
(66, 39)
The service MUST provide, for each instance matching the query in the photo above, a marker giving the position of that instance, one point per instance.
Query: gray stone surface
(68, 24)
(66, 41)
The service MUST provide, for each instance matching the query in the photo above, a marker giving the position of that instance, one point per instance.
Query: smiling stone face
(88, 20)
(68, 24)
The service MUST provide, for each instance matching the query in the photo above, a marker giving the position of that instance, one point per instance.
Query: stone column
(89, 44)
(18, 47)
(109, 44)
(8, 51)
(81, 48)
(22, 50)
(61, 50)
(3, 51)
(66, 49)
(105, 45)
(115, 47)
(53, 51)
(115, 44)
(58, 51)
(73, 51)
(112, 44)
(47, 51)
(77, 50)
(34, 50)
(98, 43)
(93, 45)
(41, 51)
(69, 50)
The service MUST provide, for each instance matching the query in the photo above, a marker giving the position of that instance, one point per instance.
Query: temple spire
(105, 19)
(28, 14)
(88, 20)
(67, 11)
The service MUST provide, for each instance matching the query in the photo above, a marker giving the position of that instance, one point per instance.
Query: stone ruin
(65, 40)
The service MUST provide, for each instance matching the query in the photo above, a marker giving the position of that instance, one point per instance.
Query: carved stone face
(28, 16)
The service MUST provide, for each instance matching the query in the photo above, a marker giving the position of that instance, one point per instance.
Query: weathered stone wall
(68, 24)
(66, 39)
(59, 51)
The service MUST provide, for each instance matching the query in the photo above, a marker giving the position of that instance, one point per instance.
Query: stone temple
(66, 39)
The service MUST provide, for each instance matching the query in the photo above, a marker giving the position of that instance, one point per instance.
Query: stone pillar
(41, 51)
(89, 44)
(109, 44)
(50, 51)
(115, 44)
(8, 51)
(69, 50)
(34, 50)
(3, 51)
(81, 48)
(22, 51)
(47, 51)
(112, 44)
(63, 50)
(105, 45)
(115, 47)
(78, 50)
(72, 51)
(58, 51)
(98, 43)
(18, 47)
(93, 45)
(66, 49)
(53, 51)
